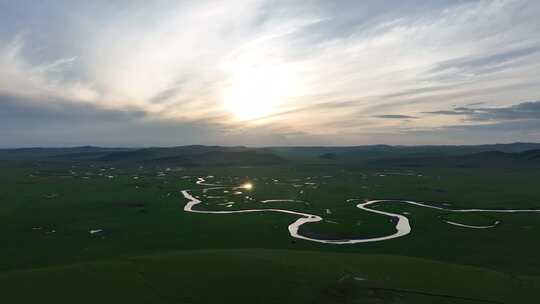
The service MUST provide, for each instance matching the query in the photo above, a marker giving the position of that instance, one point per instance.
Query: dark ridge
(240, 155)
(481, 159)
(331, 156)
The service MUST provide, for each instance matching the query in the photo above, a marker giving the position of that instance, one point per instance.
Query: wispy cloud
(522, 111)
(315, 68)
(395, 116)
(38, 81)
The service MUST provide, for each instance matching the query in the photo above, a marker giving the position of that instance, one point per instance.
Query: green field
(146, 249)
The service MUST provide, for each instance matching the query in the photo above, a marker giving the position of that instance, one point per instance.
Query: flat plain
(110, 232)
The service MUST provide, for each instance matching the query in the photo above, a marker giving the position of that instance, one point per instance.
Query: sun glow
(247, 186)
(258, 91)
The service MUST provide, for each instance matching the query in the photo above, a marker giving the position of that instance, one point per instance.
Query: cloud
(521, 111)
(25, 123)
(395, 116)
(500, 132)
(41, 81)
(483, 64)
(320, 69)
(16, 113)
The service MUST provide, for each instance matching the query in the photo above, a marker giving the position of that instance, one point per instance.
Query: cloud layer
(269, 72)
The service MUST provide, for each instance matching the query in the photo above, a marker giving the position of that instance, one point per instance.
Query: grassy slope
(264, 276)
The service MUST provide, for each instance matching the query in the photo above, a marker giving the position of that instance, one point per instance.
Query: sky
(269, 73)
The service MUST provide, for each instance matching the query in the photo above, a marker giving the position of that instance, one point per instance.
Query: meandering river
(402, 225)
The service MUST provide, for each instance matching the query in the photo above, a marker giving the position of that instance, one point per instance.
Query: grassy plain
(149, 251)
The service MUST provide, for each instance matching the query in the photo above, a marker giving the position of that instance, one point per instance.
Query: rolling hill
(198, 155)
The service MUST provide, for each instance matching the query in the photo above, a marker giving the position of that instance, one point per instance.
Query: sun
(257, 92)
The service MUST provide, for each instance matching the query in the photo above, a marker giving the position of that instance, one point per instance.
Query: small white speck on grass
(94, 231)
(359, 279)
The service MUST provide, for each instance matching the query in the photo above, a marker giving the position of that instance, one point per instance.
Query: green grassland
(265, 276)
(151, 251)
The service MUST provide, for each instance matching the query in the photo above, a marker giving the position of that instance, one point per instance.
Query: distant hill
(385, 151)
(481, 159)
(328, 156)
(185, 155)
(43, 153)
(531, 154)
(198, 155)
